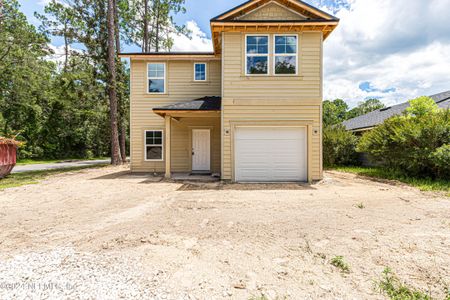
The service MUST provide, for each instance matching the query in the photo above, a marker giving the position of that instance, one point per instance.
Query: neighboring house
(250, 111)
(376, 117)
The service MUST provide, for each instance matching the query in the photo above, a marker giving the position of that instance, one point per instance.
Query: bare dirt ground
(104, 233)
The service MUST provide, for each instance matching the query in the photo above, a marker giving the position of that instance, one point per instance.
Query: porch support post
(168, 151)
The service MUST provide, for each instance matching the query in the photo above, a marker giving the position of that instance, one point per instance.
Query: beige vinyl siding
(273, 100)
(272, 11)
(182, 142)
(180, 87)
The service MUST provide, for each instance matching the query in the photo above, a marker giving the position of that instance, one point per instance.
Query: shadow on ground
(216, 186)
(192, 185)
(129, 175)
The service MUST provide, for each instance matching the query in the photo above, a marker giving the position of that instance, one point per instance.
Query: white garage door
(269, 154)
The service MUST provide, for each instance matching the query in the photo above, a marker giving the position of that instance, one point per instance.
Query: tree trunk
(123, 129)
(1, 11)
(66, 47)
(158, 21)
(123, 142)
(145, 47)
(112, 92)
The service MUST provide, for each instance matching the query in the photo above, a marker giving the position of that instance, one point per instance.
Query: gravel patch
(68, 274)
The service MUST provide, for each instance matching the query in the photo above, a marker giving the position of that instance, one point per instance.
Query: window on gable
(153, 145)
(200, 72)
(257, 54)
(157, 78)
(285, 54)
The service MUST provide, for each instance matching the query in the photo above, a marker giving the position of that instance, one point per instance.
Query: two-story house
(250, 111)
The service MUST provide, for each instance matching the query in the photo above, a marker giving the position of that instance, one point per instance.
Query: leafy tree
(59, 112)
(339, 146)
(58, 26)
(25, 76)
(149, 23)
(416, 142)
(76, 124)
(334, 112)
(365, 107)
(94, 24)
(422, 106)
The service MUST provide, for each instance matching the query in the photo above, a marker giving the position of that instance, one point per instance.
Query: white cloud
(198, 41)
(399, 44)
(44, 2)
(400, 47)
(58, 55)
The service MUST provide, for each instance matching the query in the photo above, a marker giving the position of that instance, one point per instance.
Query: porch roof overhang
(203, 107)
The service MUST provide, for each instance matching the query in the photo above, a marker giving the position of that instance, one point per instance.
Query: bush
(339, 146)
(441, 160)
(416, 142)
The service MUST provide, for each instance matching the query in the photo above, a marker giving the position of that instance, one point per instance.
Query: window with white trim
(156, 78)
(200, 71)
(153, 145)
(257, 55)
(285, 54)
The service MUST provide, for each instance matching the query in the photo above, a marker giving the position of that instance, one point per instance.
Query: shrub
(441, 160)
(339, 146)
(392, 287)
(338, 262)
(412, 142)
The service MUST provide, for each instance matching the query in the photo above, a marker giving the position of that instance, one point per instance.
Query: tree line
(75, 104)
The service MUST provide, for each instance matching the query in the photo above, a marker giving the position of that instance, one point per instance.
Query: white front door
(201, 150)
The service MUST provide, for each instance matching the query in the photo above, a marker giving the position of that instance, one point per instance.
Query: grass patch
(392, 287)
(258, 298)
(338, 262)
(39, 161)
(34, 177)
(360, 205)
(424, 184)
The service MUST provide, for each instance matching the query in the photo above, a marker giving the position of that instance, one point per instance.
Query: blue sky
(385, 49)
(208, 9)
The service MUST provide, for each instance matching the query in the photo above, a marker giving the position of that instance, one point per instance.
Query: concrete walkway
(58, 165)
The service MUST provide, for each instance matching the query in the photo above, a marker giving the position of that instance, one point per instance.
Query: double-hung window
(153, 145)
(156, 78)
(285, 54)
(257, 55)
(199, 72)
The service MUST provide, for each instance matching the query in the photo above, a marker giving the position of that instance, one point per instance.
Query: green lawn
(424, 184)
(33, 177)
(36, 161)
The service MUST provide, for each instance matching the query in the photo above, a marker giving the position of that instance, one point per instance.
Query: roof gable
(296, 6)
(272, 11)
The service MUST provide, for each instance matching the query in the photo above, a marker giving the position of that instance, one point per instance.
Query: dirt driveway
(106, 234)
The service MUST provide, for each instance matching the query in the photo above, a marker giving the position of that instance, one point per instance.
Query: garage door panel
(270, 154)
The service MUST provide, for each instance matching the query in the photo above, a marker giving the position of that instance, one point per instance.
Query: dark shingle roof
(201, 104)
(378, 116)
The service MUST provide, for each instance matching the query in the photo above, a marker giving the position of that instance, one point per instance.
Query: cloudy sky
(393, 50)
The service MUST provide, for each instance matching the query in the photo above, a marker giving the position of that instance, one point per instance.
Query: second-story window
(257, 54)
(200, 72)
(157, 78)
(285, 54)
